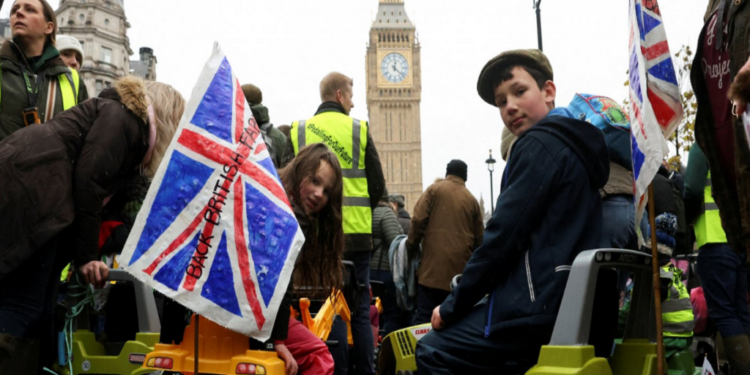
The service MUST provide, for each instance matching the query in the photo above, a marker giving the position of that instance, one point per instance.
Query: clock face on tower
(394, 67)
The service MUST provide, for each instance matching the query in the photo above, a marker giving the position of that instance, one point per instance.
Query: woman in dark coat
(56, 178)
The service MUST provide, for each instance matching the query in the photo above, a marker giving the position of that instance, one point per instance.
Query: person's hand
(437, 321)
(286, 356)
(95, 273)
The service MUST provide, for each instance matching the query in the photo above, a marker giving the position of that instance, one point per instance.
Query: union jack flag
(655, 108)
(216, 231)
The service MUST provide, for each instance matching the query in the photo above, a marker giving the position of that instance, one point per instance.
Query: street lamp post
(491, 167)
(537, 3)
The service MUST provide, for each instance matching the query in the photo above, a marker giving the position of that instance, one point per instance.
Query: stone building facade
(101, 26)
(394, 93)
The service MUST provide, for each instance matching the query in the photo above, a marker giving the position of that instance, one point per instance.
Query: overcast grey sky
(286, 46)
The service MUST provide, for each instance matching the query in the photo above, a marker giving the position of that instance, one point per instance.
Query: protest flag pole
(656, 282)
(195, 343)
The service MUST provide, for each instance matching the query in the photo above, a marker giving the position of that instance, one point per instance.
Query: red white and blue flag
(655, 108)
(216, 231)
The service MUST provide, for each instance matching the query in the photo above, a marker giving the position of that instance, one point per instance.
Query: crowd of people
(75, 171)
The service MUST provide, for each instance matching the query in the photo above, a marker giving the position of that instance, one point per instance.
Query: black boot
(24, 358)
(8, 345)
(737, 350)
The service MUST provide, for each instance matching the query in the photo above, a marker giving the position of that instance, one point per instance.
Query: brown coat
(448, 221)
(57, 174)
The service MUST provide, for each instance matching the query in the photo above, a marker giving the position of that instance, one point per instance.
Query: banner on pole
(655, 107)
(216, 231)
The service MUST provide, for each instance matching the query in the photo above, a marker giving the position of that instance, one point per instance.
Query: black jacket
(548, 212)
(404, 219)
(57, 174)
(373, 171)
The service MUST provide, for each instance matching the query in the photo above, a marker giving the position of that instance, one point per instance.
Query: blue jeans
(27, 296)
(723, 275)
(461, 348)
(618, 223)
(339, 352)
(427, 300)
(618, 229)
(364, 345)
(393, 317)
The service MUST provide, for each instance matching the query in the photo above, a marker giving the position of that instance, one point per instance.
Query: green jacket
(14, 95)
(695, 183)
(277, 140)
(385, 228)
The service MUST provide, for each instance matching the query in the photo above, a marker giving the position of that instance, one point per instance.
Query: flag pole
(656, 282)
(195, 343)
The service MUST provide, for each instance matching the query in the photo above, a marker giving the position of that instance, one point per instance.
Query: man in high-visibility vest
(350, 140)
(723, 272)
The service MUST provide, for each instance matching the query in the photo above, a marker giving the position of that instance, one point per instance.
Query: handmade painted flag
(216, 231)
(707, 369)
(655, 108)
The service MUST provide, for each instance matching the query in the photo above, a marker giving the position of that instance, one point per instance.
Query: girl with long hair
(313, 182)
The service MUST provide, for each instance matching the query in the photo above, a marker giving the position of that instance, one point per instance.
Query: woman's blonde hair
(168, 107)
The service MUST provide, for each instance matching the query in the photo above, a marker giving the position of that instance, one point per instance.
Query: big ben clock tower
(394, 91)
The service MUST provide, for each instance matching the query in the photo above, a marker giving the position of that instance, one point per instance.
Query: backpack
(609, 117)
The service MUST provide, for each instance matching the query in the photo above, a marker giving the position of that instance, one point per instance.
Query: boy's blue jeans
(462, 348)
(723, 275)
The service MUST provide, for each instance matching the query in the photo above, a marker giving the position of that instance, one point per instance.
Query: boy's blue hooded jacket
(548, 212)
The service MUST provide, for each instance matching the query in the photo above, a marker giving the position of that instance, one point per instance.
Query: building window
(98, 87)
(106, 22)
(106, 55)
(81, 17)
(62, 21)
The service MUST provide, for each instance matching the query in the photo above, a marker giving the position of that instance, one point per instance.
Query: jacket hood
(584, 139)
(131, 92)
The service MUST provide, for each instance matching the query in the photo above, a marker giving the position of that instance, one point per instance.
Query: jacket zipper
(489, 315)
(528, 278)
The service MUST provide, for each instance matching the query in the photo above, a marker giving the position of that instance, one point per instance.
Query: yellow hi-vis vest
(708, 226)
(347, 138)
(69, 85)
(676, 310)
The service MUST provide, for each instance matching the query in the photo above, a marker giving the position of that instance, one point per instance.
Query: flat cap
(253, 95)
(399, 199)
(532, 58)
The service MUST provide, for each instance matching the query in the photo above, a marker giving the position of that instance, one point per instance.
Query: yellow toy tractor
(220, 350)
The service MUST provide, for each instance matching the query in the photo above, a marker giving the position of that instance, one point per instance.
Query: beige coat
(448, 221)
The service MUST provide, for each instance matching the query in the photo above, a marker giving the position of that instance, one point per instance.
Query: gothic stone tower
(394, 91)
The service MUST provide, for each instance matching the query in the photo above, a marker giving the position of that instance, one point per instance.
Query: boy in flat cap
(548, 212)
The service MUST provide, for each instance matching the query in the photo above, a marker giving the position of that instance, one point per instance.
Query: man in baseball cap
(548, 212)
